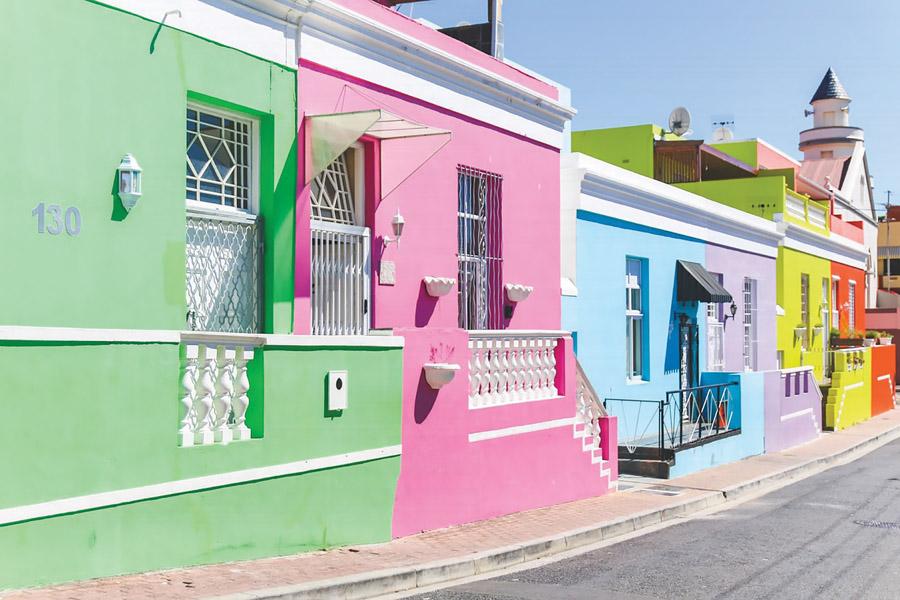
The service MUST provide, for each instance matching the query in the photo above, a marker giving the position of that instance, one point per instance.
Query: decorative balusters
(240, 401)
(205, 395)
(510, 368)
(189, 385)
(214, 399)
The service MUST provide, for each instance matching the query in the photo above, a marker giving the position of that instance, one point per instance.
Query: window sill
(636, 381)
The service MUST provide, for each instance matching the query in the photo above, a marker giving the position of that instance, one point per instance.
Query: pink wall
(394, 20)
(428, 202)
(445, 479)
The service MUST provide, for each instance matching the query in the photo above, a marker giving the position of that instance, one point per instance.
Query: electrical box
(337, 390)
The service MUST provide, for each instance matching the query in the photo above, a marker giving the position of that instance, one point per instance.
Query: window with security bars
(852, 309)
(715, 333)
(219, 153)
(340, 257)
(479, 243)
(223, 249)
(835, 312)
(751, 336)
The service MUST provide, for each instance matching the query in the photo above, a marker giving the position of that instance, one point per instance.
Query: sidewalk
(467, 550)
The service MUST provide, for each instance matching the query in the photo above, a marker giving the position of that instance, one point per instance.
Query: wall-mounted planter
(438, 286)
(439, 374)
(818, 330)
(516, 292)
(799, 332)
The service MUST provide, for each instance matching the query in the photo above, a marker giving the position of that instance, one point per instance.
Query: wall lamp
(733, 310)
(397, 224)
(129, 181)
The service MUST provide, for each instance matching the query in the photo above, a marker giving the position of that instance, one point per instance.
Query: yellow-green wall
(848, 401)
(790, 265)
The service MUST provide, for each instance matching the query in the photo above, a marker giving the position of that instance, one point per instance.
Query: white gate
(340, 279)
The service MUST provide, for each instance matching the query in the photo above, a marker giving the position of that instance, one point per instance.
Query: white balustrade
(511, 367)
(214, 400)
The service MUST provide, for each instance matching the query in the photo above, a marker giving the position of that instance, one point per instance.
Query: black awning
(696, 284)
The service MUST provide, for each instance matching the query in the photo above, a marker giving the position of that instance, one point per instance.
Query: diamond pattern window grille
(218, 159)
(223, 275)
(332, 195)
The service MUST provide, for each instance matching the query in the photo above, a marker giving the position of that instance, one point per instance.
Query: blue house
(671, 301)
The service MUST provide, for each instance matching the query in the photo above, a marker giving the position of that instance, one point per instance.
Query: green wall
(745, 151)
(627, 147)
(104, 417)
(790, 265)
(87, 84)
(760, 196)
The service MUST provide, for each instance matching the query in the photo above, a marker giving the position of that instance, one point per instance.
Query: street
(834, 535)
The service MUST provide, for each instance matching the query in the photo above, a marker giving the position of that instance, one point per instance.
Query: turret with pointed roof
(830, 88)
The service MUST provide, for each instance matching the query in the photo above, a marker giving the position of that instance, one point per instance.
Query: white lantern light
(397, 224)
(129, 181)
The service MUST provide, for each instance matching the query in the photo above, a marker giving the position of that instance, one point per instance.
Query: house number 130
(50, 218)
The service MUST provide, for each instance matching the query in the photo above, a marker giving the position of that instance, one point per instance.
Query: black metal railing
(700, 413)
(687, 417)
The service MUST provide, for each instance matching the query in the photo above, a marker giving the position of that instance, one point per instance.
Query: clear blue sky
(632, 61)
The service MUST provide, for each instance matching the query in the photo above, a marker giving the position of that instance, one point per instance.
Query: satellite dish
(722, 134)
(680, 121)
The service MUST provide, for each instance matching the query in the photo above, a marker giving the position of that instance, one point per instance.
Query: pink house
(428, 205)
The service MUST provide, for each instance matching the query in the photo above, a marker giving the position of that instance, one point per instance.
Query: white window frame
(715, 333)
(201, 208)
(634, 373)
(750, 325)
(851, 312)
(359, 187)
(835, 310)
(804, 310)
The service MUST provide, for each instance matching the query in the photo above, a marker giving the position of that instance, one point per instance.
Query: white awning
(327, 136)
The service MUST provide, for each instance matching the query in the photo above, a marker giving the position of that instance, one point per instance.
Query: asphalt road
(834, 535)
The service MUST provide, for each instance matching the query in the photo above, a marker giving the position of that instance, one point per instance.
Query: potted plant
(870, 338)
(885, 338)
(843, 339)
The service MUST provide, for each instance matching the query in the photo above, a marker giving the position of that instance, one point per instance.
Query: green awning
(696, 284)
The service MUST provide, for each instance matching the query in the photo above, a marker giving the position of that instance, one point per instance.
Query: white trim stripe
(24, 333)
(794, 415)
(181, 486)
(883, 378)
(520, 429)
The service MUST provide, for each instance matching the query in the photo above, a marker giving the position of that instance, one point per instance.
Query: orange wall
(846, 274)
(883, 364)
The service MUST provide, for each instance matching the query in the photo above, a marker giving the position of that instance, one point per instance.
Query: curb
(405, 579)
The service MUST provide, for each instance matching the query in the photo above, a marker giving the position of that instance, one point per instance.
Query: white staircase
(586, 426)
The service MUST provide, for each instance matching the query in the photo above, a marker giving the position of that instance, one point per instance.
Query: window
(715, 333)
(804, 310)
(479, 243)
(852, 309)
(835, 313)
(340, 257)
(634, 319)
(219, 156)
(223, 236)
(751, 336)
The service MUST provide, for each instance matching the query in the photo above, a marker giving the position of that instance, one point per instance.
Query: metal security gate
(340, 279)
(224, 273)
(687, 336)
(479, 243)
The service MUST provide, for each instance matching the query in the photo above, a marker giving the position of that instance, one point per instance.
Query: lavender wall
(735, 265)
(793, 408)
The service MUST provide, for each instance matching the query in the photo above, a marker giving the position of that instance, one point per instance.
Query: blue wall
(748, 402)
(597, 314)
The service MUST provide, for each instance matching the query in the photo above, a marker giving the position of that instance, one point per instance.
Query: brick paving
(454, 542)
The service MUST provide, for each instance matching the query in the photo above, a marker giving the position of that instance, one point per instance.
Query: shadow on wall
(425, 399)
(424, 306)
